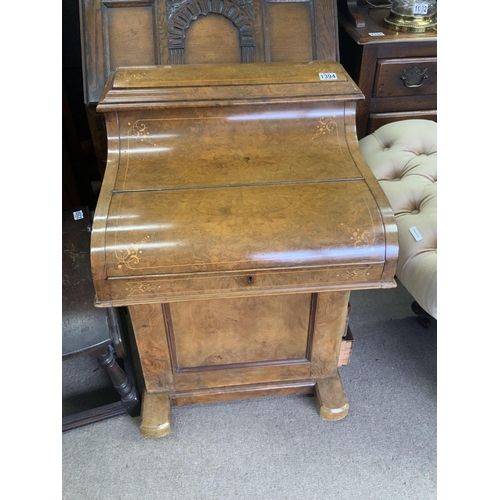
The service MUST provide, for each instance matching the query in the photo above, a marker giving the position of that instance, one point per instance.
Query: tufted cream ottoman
(403, 157)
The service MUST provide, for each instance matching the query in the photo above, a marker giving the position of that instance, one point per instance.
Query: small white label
(78, 215)
(328, 76)
(420, 8)
(415, 233)
(377, 33)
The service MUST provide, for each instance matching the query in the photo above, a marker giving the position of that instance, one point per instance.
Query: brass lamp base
(414, 24)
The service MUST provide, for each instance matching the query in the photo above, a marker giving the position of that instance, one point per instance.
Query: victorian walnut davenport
(235, 216)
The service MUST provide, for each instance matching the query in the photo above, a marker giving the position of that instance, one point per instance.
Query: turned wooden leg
(155, 415)
(331, 399)
(119, 379)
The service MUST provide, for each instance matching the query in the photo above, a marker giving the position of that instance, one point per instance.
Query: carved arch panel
(182, 13)
(144, 32)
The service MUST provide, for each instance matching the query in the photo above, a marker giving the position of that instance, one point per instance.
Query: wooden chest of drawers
(236, 215)
(397, 72)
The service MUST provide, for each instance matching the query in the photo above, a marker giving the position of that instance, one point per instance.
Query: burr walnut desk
(235, 216)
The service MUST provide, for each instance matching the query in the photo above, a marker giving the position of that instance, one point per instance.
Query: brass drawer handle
(414, 77)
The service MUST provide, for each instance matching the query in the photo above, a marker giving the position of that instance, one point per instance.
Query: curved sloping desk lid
(252, 171)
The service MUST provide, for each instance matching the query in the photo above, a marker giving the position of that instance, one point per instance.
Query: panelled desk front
(236, 215)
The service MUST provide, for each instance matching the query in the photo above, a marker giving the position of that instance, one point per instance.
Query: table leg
(119, 379)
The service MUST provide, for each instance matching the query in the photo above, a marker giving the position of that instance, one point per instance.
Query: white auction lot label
(328, 76)
(420, 8)
(416, 233)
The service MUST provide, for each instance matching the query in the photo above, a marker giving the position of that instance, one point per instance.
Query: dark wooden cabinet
(397, 72)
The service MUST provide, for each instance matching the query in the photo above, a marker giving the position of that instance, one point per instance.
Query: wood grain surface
(235, 230)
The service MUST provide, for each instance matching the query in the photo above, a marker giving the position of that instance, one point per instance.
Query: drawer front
(377, 120)
(154, 289)
(405, 77)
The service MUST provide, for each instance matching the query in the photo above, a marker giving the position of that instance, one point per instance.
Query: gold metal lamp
(415, 16)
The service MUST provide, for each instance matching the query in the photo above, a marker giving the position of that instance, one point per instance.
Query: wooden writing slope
(117, 33)
(236, 215)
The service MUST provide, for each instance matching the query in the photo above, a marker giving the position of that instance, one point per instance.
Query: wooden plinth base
(156, 407)
(221, 350)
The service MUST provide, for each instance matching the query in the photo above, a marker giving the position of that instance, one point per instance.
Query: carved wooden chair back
(158, 32)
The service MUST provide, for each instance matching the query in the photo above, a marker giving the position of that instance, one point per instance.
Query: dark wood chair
(86, 329)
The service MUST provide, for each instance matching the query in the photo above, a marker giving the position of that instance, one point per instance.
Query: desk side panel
(386, 213)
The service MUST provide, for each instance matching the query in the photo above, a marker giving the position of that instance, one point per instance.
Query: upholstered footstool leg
(331, 399)
(155, 415)
(424, 318)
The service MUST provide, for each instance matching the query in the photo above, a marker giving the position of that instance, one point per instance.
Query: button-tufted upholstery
(403, 157)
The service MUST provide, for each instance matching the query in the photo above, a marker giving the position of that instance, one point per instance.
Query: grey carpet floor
(278, 448)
